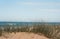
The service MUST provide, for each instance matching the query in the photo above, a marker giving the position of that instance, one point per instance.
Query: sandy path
(23, 35)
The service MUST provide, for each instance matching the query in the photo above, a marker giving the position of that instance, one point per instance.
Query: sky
(30, 10)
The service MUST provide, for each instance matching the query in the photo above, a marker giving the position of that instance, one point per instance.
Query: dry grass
(50, 31)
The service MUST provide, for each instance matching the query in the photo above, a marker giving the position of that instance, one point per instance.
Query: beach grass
(50, 31)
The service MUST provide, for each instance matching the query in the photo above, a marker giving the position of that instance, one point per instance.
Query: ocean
(25, 23)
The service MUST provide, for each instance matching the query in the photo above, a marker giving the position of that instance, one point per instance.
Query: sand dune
(23, 35)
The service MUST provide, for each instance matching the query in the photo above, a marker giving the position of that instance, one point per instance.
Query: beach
(23, 35)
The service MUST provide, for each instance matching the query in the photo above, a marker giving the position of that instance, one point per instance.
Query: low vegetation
(52, 31)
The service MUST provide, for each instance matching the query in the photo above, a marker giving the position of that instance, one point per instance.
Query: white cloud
(46, 4)
(46, 10)
(50, 10)
(38, 3)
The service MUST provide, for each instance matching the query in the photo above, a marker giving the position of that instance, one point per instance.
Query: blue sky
(30, 10)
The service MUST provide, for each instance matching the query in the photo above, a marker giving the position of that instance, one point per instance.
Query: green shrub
(0, 32)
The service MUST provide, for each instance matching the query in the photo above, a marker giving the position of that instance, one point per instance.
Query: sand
(23, 35)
